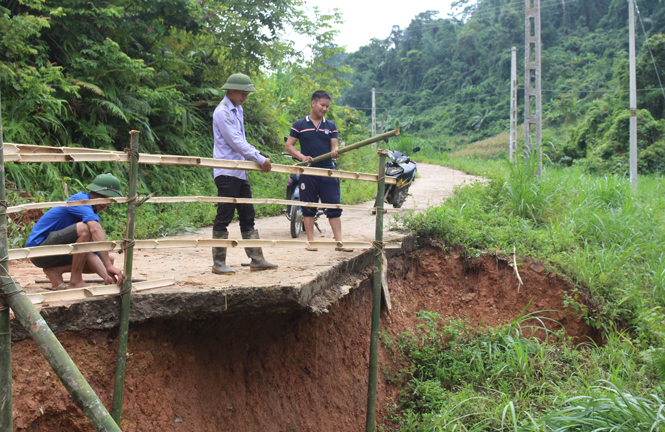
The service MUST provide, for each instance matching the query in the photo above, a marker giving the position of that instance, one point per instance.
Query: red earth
(278, 372)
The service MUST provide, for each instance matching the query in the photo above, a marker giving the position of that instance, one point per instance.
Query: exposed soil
(277, 372)
(26, 217)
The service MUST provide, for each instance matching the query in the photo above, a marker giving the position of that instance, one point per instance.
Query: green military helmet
(239, 82)
(107, 185)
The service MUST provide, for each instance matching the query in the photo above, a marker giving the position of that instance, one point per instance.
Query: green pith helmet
(239, 82)
(107, 185)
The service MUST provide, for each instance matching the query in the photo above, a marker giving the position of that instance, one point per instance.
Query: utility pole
(533, 118)
(633, 95)
(513, 103)
(373, 114)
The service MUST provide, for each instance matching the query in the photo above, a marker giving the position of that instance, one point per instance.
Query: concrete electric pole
(633, 95)
(373, 114)
(513, 103)
(533, 117)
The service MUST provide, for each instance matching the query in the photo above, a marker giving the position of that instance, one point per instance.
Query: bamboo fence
(23, 304)
(152, 159)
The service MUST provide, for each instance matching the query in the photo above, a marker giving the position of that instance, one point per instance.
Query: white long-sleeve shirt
(228, 128)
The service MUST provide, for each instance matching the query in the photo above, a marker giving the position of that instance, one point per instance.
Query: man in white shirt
(231, 144)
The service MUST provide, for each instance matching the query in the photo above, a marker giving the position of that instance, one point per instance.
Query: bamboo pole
(73, 294)
(6, 403)
(376, 304)
(109, 246)
(353, 146)
(126, 297)
(48, 344)
(195, 199)
(152, 159)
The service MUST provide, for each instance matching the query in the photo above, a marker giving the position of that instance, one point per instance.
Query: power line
(442, 82)
(486, 13)
(500, 92)
(649, 45)
(435, 104)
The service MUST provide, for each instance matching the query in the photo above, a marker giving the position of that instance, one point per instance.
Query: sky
(364, 20)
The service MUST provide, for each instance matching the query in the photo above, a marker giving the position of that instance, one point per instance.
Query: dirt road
(192, 267)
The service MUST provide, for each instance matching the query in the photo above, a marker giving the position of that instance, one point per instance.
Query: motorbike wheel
(296, 221)
(400, 197)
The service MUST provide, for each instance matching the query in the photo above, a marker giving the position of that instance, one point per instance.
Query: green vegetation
(449, 78)
(82, 74)
(459, 378)
(606, 238)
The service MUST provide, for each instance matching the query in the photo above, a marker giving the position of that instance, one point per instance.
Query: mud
(278, 371)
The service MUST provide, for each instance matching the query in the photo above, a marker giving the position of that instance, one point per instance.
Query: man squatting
(231, 144)
(65, 225)
(317, 136)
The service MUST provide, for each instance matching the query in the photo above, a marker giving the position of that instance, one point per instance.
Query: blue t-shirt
(59, 218)
(315, 141)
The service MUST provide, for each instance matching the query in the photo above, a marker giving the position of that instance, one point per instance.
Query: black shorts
(64, 236)
(326, 188)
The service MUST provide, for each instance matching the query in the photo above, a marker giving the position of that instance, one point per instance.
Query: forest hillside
(448, 78)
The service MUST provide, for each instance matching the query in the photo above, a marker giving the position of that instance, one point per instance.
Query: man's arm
(291, 149)
(97, 234)
(334, 146)
(234, 138)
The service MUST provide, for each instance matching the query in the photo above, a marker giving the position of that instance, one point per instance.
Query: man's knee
(83, 232)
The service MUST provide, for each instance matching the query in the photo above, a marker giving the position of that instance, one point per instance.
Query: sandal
(311, 249)
(342, 249)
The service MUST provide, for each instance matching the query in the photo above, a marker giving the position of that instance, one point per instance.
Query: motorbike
(404, 170)
(294, 213)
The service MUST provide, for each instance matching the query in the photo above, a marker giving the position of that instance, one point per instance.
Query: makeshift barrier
(12, 296)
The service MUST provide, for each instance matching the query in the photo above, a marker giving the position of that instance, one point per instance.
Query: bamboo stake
(109, 246)
(376, 304)
(125, 299)
(353, 146)
(6, 402)
(194, 199)
(48, 344)
(150, 159)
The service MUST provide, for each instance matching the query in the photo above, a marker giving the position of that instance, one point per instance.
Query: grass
(599, 232)
(456, 377)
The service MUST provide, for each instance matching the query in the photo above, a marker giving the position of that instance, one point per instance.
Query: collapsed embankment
(277, 371)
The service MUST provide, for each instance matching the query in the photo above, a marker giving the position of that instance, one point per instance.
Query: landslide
(279, 372)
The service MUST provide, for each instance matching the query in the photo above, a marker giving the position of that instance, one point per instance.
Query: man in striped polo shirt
(317, 136)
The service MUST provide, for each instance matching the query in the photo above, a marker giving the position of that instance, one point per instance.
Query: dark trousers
(233, 187)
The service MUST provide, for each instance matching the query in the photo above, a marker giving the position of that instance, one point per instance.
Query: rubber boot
(219, 256)
(256, 254)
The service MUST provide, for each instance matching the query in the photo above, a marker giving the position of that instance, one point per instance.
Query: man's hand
(115, 274)
(334, 154)
(267, 166)
(306, 159)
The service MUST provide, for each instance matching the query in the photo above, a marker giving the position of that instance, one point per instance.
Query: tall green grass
(598, 231)
(458, 378)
